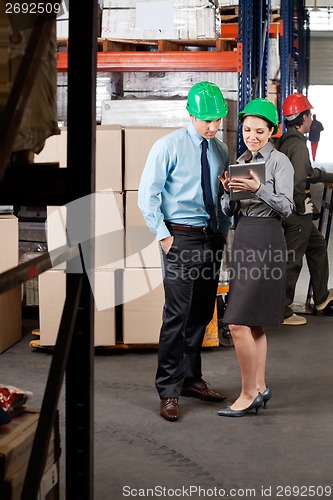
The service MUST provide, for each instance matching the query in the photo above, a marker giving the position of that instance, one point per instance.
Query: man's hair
(298, 121)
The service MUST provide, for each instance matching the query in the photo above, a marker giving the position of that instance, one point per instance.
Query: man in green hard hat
(178, 197)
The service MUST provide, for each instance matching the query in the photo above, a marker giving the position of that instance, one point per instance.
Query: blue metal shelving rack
(302, 52)
(286, 52)
(253, 34)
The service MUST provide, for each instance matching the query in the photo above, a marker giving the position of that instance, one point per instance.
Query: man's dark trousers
(303, 238)
(191, 273)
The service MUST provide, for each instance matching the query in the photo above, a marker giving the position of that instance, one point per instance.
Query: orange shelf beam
(164, 61)
(231, 30)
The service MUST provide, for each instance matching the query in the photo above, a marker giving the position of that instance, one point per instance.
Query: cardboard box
(143, 300)
(55, 149)
(9, 250)
(138, 142)
(10, 318)
(109, 229)
(10, 301)
(11, 488)
(109, 159)
(16, 439)
(141, 246)
(52, 291)
(108, 155)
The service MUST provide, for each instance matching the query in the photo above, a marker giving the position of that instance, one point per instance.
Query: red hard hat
(295, 104)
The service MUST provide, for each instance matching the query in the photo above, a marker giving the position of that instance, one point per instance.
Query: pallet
(117, 45)
(211, 339)
(230, 14)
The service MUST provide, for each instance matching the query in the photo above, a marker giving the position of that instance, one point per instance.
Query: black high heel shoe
(255, 405)
(266, 395)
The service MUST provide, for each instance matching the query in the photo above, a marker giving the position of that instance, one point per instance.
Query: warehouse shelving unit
(254, 32)
(49, 185)
(46, 184)
(294, 48)
(250, 60)
(302, 47)
(226, 61)
(286, 51)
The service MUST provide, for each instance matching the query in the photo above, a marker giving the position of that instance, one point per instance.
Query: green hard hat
(262, 108)
(206, 102)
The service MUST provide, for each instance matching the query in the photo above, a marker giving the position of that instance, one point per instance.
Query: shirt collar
(263, 153)
(196, 138)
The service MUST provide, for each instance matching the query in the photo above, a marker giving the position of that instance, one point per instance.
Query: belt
(189, 229)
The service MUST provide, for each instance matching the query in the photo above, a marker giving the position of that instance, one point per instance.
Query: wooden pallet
(117, 45)
(211, 338)
(62, 43)
(230, 14)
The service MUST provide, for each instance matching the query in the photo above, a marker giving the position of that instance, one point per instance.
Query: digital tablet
(242, 170)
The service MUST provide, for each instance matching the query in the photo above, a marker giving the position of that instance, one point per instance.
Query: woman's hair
(298, 121)
(269, 124)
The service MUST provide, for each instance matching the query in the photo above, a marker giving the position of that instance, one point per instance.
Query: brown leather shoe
(200, 390)
(169, 409)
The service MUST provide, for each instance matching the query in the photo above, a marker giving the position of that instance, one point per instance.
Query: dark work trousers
(191, 273)
(303, 238)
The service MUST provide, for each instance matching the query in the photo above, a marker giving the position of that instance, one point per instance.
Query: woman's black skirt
(258, 273)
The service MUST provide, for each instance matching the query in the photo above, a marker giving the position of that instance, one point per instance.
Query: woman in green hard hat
(179, 204)
(257, 281)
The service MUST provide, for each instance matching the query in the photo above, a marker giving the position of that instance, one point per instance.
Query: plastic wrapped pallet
(145, 112)
(275, 4)
(161, 19)
(40, 117)
(145, 84)
(159, 113)
(274, 60)
(108, 86)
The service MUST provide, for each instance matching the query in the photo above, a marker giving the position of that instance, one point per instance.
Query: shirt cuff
(162, 232)
(259, 191)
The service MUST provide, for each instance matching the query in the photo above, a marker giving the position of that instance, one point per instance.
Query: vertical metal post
(261, 17)
(301, 46)
(265, 55)
(82, 68)
(307, 51)
(245, 37)
(286, 53)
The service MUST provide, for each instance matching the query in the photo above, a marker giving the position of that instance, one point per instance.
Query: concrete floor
(137, 453)
(289, 444)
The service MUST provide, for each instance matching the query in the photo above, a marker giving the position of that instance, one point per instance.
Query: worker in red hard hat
(302, 236)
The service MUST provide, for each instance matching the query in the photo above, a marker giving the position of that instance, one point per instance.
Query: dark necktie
(206, 186)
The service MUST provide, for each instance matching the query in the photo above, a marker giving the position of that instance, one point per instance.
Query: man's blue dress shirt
(170, 188)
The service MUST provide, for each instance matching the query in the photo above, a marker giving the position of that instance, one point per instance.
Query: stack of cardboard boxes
(127, 261)
(16, 439)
